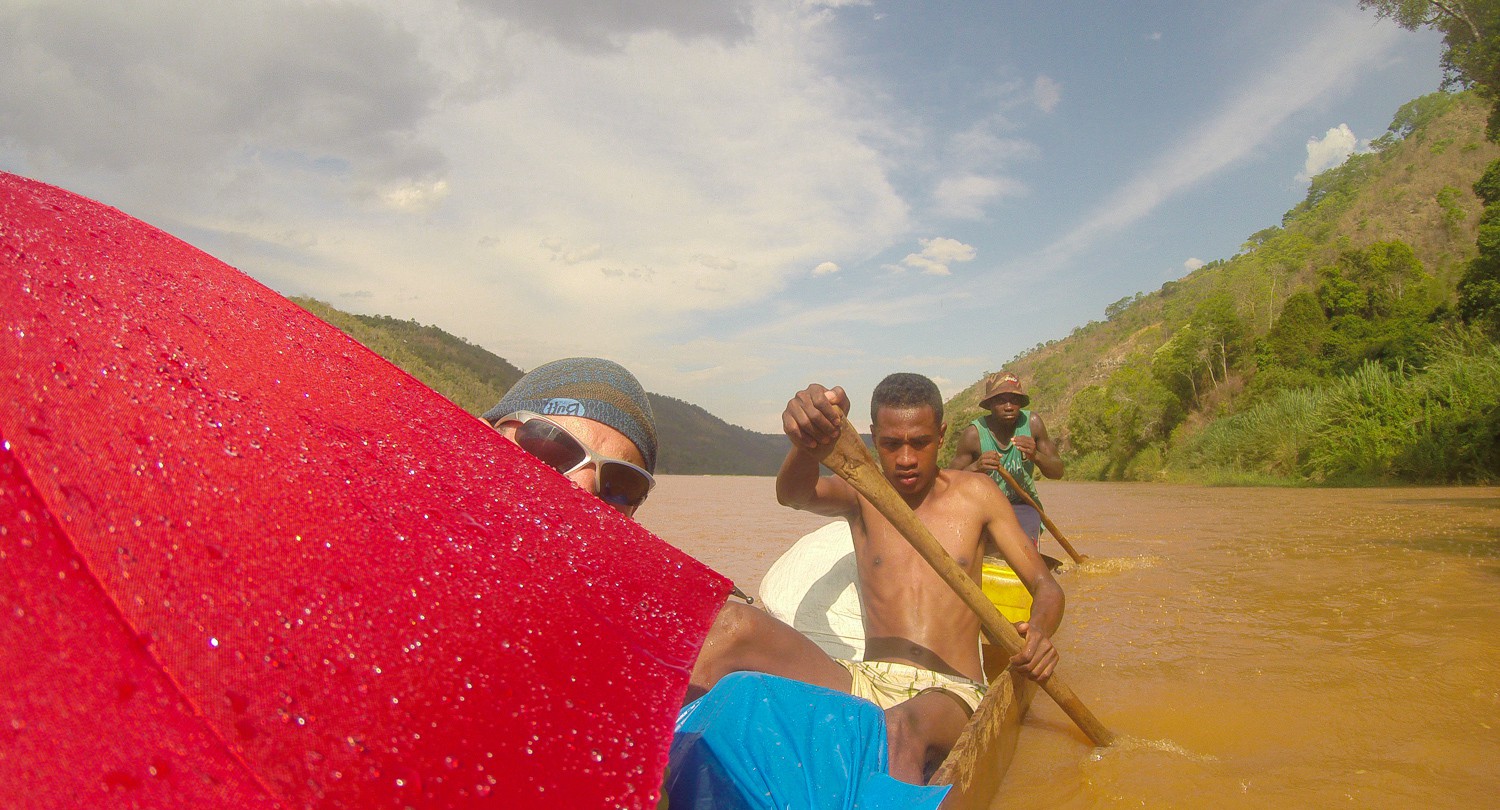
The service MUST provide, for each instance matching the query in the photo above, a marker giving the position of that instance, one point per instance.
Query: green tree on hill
(1177, 363)
(1198, 357)
(1471, 39)
(1295, 342)
(1479, 289)
(1115, 422)
(1381, 305)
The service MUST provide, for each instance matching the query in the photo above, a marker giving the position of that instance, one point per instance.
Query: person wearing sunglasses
(589, 419)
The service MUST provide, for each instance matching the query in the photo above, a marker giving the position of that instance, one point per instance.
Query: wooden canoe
(812, 588)
(977, 764)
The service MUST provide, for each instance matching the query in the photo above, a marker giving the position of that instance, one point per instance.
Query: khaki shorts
(885, 683)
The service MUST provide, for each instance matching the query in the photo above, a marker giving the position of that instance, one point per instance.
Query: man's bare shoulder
(968, 486)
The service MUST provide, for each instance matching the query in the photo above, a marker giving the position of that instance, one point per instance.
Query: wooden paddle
(1051, 527)
(851, 461)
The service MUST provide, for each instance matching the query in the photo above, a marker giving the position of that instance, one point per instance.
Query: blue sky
(732, 199)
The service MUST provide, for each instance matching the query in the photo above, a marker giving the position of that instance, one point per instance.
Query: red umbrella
(246, 562)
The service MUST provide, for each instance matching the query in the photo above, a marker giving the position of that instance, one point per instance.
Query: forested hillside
(1330, 349)
(693, 441)
(469, 375)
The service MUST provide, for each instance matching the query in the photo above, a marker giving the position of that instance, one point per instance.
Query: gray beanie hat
(589, 387)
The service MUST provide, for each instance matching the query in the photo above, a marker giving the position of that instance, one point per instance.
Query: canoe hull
(977, 764)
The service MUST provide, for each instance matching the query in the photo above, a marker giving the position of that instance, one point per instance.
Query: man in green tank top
(1010, 437)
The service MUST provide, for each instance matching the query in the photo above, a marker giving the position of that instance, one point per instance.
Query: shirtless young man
(921, 642)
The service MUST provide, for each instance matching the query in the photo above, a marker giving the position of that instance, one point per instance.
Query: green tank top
(1010, 457)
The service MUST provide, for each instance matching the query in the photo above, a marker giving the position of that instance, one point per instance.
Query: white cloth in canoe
(811, 587)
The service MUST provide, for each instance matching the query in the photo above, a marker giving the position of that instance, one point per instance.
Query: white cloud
(563, 252)
(983, 146)
(839, 3)
(937, 254)
(327, 90)
(1047, 93)
(1343, 45)
(1329, 151)
(608, 26)
(415, 195)
(974, 176)
(446, 163)
(966, 196)
(1193, 264)
(883, 311)
(826, 268)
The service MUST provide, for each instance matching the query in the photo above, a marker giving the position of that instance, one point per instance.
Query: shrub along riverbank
(1375, 425)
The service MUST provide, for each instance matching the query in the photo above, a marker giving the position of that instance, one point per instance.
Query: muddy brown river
(1252, 647)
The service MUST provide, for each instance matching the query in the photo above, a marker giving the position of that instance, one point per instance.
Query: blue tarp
(758, 742)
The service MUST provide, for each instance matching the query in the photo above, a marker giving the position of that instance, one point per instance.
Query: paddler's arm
(1039, 658)
(811, 421)
(967, 451)
(967, 455)
(1045, 455)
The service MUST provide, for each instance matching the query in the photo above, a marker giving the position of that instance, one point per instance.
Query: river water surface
(1252, 647)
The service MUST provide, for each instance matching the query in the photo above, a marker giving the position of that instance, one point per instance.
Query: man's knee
(906, 747)
(727, 638)
(734, 623)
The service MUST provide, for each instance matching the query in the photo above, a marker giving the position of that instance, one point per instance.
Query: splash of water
(1125, 744)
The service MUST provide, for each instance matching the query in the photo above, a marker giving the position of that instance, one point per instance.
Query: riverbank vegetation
(1348, 345)
(1353, 343)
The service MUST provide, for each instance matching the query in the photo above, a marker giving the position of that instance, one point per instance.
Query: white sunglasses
(619, 483)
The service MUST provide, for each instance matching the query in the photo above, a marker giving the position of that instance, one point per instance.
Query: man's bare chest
(878, 546)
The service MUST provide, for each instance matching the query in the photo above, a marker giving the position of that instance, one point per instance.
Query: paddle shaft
(851, 461)
(1051, 527)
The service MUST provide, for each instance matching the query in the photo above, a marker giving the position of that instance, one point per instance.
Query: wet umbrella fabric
(246, 562)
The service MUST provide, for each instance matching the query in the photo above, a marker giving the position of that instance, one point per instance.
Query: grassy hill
(472, 377)
(693, 441)
(1358, 279)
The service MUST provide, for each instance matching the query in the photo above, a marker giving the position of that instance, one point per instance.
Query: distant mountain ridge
(692, 440)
